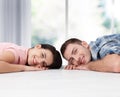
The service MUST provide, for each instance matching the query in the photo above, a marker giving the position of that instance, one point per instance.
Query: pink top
(19, 52)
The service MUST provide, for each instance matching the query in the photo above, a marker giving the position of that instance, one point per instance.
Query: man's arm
(110, 63)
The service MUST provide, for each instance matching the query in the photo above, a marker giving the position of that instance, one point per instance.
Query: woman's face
(40, 57)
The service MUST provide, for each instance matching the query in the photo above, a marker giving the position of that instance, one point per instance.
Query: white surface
(60, 83)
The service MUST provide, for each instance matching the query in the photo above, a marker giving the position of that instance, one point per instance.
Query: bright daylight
(59, 48)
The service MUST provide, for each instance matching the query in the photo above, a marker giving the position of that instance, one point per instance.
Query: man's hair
(67, 42)
(57, 60)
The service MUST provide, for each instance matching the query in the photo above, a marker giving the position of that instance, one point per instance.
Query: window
(48, 21)
(54, 21)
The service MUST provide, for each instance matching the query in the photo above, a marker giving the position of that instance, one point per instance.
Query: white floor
(60, 83)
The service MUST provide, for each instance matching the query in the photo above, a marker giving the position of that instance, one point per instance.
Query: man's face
(77, 54)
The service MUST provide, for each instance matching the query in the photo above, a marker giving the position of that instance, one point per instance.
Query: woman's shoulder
(7, 56)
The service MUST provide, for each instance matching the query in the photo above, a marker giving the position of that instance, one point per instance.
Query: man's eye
(75, 51)
(42, 55)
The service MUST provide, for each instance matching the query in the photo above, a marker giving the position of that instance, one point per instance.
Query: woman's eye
(43, 55)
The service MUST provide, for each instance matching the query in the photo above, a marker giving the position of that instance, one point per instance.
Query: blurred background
(28, 22)
(54, 21)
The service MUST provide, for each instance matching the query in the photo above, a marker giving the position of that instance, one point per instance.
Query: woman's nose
(39, 60)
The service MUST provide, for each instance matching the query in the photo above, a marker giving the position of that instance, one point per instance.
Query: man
(101, 55)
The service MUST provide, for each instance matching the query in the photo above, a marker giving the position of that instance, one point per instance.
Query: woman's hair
(67, 42)
(57, 60)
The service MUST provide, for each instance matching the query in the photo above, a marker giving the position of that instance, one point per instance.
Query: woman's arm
(6, 64)
(7, 68)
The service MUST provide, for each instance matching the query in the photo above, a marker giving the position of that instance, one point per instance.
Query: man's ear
(85, 44)
(38, 46)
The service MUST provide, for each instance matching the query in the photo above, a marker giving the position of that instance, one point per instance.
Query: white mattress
(60, 83)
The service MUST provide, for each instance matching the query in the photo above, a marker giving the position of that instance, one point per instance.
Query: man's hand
(76, 67)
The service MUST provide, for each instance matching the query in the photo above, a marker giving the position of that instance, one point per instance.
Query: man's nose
(76, 58)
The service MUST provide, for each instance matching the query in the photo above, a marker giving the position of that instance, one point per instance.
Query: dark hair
(67, 42)
(57, 60)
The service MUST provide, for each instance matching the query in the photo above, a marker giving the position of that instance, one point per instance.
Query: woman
(15, 58)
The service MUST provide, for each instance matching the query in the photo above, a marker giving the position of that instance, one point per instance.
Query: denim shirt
(108, 44)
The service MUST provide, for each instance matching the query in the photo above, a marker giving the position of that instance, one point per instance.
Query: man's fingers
(70, 67)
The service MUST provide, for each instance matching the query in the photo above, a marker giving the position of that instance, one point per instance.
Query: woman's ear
(38, 46)
(85, 44)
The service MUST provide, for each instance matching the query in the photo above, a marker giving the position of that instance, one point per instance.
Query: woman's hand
(31, 68)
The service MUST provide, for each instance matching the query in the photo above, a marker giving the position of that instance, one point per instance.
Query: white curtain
(15, 22)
